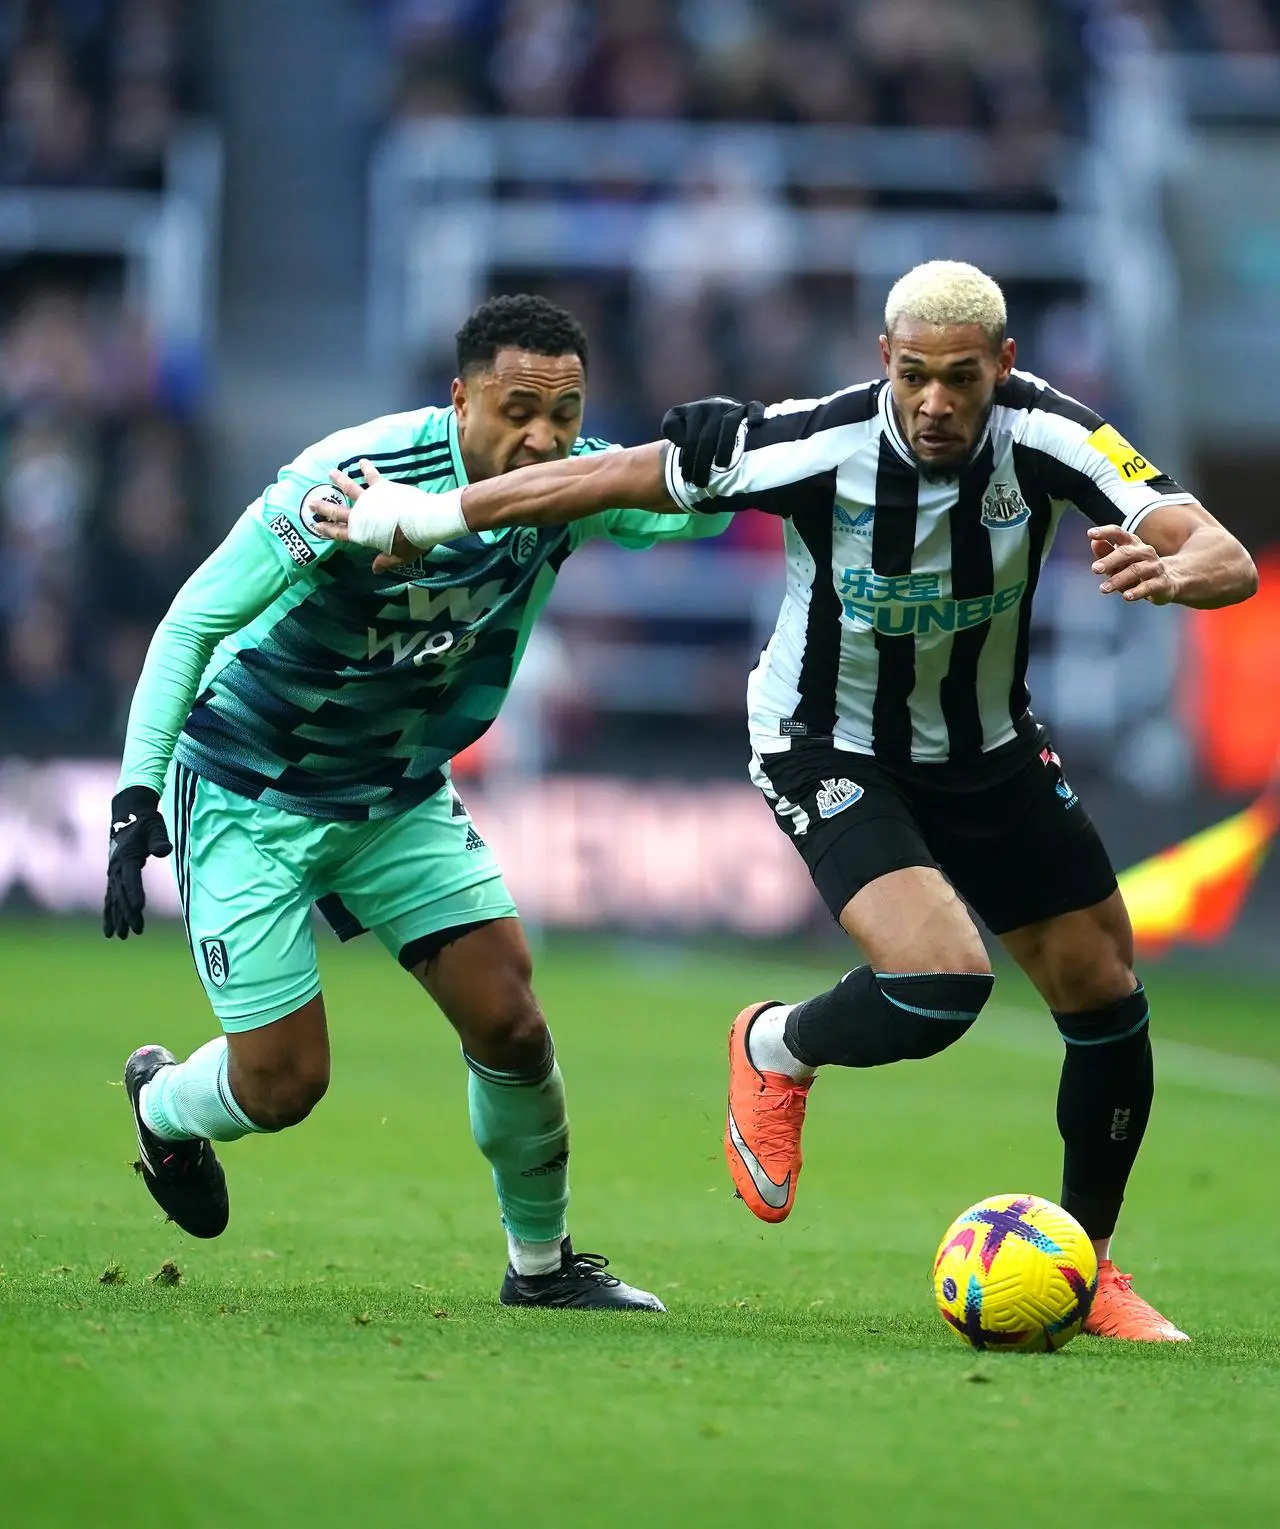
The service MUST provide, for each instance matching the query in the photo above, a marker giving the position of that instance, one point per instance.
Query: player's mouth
(933, 440)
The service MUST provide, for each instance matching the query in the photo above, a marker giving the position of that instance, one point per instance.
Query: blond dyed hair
(947, 292)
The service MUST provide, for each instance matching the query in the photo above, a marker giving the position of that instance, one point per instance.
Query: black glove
(706, 433)
(137, 831)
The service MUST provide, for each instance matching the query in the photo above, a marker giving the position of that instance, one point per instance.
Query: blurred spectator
(90, 91)
(95, 529)
(47, 703)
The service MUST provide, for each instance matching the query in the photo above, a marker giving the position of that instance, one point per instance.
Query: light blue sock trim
(957, 1016)
(1110, 1040)
(888, 976)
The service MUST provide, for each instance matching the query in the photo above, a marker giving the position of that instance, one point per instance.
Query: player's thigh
(242, 873)
(912, 921)
(1079, 960)
(416, 878)
(481, 977)
(480, 974)
(853, 826)
(1021, 850)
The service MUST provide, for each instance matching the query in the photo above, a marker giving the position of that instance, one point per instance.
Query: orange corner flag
(1193, 891)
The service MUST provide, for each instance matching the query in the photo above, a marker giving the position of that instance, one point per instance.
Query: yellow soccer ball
(1015, 1273)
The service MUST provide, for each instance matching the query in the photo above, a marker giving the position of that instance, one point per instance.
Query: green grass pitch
(338, 1357)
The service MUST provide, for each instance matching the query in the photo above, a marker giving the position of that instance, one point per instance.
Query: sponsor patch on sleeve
(295, 544)
(1127, 460)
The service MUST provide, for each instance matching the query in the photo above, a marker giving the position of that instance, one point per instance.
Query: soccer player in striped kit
(889, 715)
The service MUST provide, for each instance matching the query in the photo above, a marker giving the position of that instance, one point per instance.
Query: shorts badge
(835, 795)
(216, 961)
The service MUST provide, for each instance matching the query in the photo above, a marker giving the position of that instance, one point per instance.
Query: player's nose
(937, 402)
(540, 439)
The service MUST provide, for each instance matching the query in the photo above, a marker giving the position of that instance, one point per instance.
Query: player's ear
(1008, 355)
(885, 352)
(458, 397)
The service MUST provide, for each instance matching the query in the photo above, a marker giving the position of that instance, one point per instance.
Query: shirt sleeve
(233, 585)
(778, 460)
(285, 511)
(1090, 464)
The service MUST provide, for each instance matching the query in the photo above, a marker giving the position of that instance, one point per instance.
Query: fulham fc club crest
(835, 795)
(216, 962)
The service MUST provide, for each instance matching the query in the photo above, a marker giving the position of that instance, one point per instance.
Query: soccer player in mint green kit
(298, 713)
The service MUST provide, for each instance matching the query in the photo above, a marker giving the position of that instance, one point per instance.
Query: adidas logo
(556, 1164)
(474, 841)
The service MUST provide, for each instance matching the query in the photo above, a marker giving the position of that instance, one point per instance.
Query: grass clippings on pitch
(339, 1354)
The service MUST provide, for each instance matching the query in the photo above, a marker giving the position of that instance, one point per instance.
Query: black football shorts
(1007, 830)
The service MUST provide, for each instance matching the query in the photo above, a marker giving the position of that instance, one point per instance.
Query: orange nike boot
(1118, 1311)
(762, 1134)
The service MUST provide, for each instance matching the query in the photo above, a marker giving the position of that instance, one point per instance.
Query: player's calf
(871, 1018)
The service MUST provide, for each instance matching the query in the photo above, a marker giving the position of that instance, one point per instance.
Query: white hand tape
(425, 519)
(429, 519)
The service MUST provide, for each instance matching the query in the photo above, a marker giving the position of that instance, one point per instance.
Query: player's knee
(277, 1098)
(507, 1031)
(932, 1010)
(1076, 987)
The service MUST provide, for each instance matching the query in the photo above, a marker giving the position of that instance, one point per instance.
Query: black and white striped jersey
(906, 621)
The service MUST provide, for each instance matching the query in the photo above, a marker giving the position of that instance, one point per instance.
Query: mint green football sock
(518, 1120)
(195, 1099)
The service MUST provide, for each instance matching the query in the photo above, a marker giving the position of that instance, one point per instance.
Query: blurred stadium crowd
(1010, 67)
(99, 432)
(96, 431)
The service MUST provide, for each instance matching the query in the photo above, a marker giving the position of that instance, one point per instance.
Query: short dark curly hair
(523, 322)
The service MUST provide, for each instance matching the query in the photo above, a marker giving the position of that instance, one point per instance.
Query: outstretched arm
(400, 521)
(553, 493)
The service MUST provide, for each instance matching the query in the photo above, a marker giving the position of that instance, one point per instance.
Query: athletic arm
(399, 521)
(1183, 556)
(1151, 539)
(233, 585)
(554, 493)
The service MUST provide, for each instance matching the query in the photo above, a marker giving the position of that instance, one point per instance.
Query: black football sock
(870, 1018)
(1104, 1103)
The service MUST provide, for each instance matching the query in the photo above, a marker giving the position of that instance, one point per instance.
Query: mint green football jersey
(348, 696)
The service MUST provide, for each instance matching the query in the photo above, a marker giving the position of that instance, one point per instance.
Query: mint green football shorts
(248, 875)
